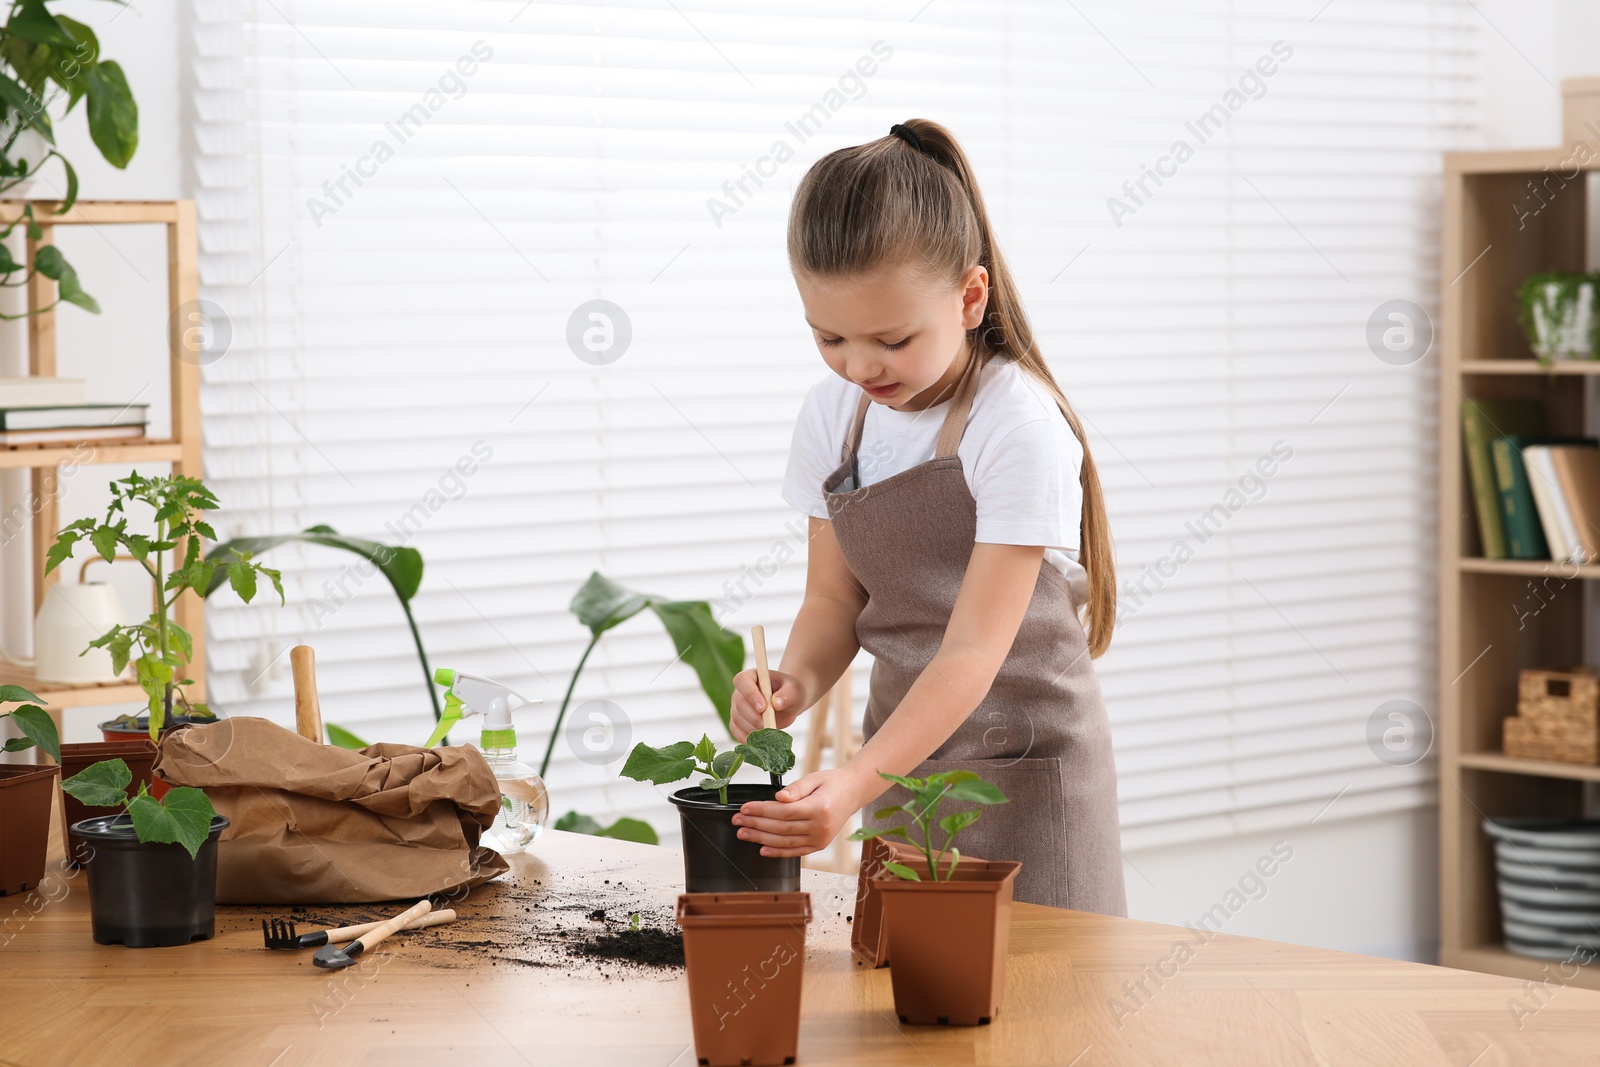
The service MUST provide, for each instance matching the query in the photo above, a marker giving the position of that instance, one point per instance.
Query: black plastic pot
(142, 895)
(715, 860)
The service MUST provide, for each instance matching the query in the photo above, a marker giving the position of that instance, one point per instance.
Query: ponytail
(912, 197)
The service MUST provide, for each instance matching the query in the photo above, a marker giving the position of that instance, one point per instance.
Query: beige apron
(1041, 733)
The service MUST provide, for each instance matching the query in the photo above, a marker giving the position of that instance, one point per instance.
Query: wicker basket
(1558, 717)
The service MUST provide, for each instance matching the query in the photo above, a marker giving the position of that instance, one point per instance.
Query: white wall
(122, 351)
(1364, 884)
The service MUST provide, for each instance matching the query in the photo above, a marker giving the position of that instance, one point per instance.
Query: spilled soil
(525, 918)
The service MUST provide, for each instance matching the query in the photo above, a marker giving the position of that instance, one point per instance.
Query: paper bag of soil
(315, 824)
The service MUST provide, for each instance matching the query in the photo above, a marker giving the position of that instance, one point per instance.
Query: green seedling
(921, 811)
(771, 750)
(182, 817)
(633, 921)
(33, 721)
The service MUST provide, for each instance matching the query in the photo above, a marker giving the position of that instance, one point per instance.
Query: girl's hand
(747, 702)
(807, 815)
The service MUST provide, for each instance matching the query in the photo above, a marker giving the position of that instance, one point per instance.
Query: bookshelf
(1506, 215)
(181, 449)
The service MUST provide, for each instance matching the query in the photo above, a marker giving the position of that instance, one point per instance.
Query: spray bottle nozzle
(471, 694)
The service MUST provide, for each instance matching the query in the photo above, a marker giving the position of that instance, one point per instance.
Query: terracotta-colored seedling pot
(745, 954)
(25, 795)
(948, 941)
(139, 753)
(869, 938)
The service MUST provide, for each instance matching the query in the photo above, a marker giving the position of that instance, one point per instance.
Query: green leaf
(31, 22)
(887, 813)
(181, 640)
(955, 858)
(626, 829)
(72, 179)
(182, 816)
(38, 729)
(338, 735)
(101, 785)
(771, 750)
(402, 567)
(61, 550)
(976, 791)
(104, 538)
(955, 822)
(49, 261)
(575, 823)
(660, 765)
(242, 577)
(32, 109)
(912, 784)
(16, 694)
(867, 833)
(726, 764)
(714, 783)
(901, 870)
(714, 653)
(113, 115)
(601, 604)
(706, 751)
(121, 648)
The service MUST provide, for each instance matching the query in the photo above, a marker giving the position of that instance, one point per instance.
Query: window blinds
(408, 210)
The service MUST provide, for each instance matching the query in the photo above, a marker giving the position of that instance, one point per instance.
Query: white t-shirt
(1019, 456)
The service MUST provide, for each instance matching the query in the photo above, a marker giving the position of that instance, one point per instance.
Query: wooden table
(1072, 995)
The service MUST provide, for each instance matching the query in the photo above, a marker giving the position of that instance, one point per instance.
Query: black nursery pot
(715, 860)
(143, 895)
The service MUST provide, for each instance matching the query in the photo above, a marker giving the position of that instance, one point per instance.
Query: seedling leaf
(37, 729)
(101, 785)
(660, 765)
(902, 870)
(955, 822)
(771, 750)
(183, 816)
(976, 791)
(867, 833)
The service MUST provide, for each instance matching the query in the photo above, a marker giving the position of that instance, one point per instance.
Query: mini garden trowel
(336, 957)
(758, 638)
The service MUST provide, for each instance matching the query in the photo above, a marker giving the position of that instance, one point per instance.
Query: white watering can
(70, 617)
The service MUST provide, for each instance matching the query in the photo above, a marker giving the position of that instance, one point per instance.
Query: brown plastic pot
(948, 941)
(139, 753)
(745, 954)
(26, 791)
(869, 938)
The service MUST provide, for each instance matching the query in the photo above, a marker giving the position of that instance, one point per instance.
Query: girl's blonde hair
(911, 198)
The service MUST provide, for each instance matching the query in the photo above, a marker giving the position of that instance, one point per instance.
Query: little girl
(957, 531)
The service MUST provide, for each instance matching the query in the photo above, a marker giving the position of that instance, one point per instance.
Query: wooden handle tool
(332, 957)
(769, 721)
(307, 709)
(350, 933)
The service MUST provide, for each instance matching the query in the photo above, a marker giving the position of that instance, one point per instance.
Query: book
(1524, 535)
(1578, 474)
(39, 391)
(1481, 422)
(54, 417)
(69, 434)
(1552, 501)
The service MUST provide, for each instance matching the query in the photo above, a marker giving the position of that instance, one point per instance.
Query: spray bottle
(524, 802)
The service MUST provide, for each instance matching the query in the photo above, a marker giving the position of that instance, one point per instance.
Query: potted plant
(949, 922)
(158, 647)
(153, 878)
(1557, 310)
(25, 792)
(745, 956)
(44, 58)
(715, 858)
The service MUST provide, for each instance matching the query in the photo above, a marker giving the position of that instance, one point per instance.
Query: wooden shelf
(1531, 366)
(1518, 161)
(1532, 568)
(56, 695)
(1499, 761)
(95, 212)
(1497, 959)
(115, 450)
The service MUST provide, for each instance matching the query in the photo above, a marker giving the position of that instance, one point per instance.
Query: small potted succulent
(715, 858)
(153, 878)
(25, 792)
(1558, 311)
(745, 957)
(949, 918)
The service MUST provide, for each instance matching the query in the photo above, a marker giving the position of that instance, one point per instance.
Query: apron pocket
(1031, 829)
